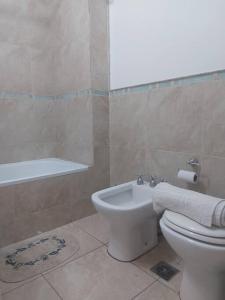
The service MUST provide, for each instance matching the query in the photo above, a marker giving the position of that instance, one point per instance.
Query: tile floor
(93, 275)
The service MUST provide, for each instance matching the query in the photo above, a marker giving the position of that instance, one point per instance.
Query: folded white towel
(201, 208)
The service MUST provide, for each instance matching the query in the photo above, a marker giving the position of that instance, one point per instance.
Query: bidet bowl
(133, 223)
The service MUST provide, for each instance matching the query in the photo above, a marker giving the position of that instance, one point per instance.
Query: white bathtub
(14, 173)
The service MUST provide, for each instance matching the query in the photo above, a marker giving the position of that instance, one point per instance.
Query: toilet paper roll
(188, 176)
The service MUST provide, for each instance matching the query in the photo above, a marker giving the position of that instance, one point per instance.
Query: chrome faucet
(154, 180)
(140, 180)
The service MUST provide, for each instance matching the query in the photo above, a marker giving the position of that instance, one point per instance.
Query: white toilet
(203, 252)
(133, 223)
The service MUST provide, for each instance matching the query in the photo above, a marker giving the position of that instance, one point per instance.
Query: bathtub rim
(70, 168)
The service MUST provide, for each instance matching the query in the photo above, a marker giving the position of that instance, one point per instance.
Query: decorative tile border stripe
(69, 96)
(182, 81)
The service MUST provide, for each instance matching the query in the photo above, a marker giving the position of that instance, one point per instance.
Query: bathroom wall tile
(42, 118)
(42, 194)
(174, 119)
(95, 275)
(100, 120)
(213, 118)
(100, 82)
(128, 118)
(97, 176)
(15, 72)
(99, 44)
(213, 101)
(213, 138)
(42, 10)
(71, 22)
(75, 151)
(44, 64)
(213, 170)
(28, 151)
(126, 162)
(7, 204)
(166, 164)
(100, 170)
(73, 67)
(45, 37)
(37, 289)
(76, 140)
(62, 69)
(19, 26)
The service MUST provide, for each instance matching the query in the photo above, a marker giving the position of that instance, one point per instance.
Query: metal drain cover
(164, 270)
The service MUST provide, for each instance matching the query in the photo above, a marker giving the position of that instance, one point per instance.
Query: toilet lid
(192, 229)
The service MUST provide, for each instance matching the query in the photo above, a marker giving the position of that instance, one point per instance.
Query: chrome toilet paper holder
(195, 164)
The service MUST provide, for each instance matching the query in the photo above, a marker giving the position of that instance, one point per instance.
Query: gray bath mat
(36, 255)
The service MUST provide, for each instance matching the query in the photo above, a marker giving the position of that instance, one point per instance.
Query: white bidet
(133, 223)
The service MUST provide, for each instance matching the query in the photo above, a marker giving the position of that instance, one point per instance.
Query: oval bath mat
(36, 255)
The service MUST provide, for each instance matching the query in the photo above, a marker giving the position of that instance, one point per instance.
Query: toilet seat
(194, 230)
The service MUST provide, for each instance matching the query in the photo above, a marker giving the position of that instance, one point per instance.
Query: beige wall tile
(126, 163)
(99, 44)
(177, 123)
(128, 116)
(15, 75)
(174, 119)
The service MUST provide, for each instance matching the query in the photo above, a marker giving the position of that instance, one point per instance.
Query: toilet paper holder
(195, 164)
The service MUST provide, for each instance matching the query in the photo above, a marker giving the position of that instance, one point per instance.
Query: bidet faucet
(140, 180)
(154, 180)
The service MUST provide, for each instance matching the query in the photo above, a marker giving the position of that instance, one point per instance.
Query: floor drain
(164, 270)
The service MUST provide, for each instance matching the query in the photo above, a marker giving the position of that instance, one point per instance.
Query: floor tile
(86, 242)
(97, 276)
(97, 226)
(6, 287)
(157, 291)
(173, 283)
(38, 289)
(162, 252)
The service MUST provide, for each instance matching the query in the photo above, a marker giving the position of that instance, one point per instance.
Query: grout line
(156, 277)
(23, 283)
(40, 275)
(103, 243)
(52, 287)
(143, 290)
(69, 261)
(168, 286)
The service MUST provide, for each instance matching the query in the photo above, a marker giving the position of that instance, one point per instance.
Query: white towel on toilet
(201, 208)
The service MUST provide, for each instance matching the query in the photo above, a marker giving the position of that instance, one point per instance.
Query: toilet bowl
(203, 252)
(133, 223)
